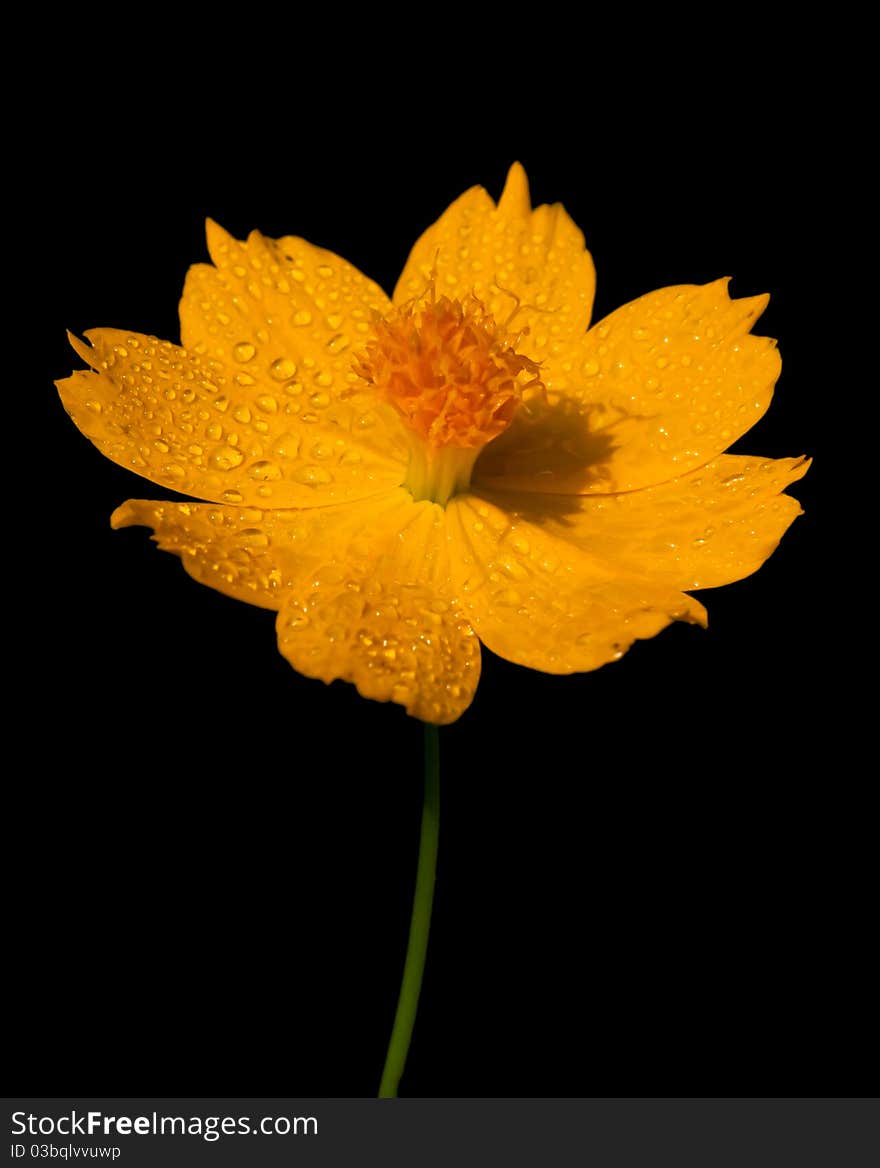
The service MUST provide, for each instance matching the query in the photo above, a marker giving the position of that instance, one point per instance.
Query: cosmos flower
(468, 461)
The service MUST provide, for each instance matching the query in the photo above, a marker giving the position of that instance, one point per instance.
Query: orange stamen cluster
(448, 369)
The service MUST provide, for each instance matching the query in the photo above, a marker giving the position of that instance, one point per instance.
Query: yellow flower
(466, 462)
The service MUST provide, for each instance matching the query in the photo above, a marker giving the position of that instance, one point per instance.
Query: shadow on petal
(559, 447)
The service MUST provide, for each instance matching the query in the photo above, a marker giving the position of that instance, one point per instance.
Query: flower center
(454, 377)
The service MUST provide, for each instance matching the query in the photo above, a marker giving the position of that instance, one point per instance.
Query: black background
(653, 878)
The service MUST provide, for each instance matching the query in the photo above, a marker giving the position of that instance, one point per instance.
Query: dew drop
(267, 403)
(94, 406)
(287, 446)
(225, 458)
(244, 351)
(241, 414)
(265, 471)
(232, 496)
(253, 537)
(301, 318)
(313, 475)
(319, 400)
(590, 367)
(282, 369)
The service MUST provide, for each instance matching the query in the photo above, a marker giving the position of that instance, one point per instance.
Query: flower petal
(544, 603)
(660, 387)
(528, 267)
(183, 419)
(710, 527)
(388, 622)
(282, 313)
(261, 556)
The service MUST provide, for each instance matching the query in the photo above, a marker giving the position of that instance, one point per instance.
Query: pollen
(451, 372)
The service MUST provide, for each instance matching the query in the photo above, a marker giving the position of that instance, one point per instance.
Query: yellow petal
(711, 527)
(389, 623)
(546, 604)
(185, 420)
(287, 315)
(530, 267)
(660, 387)
(261, 556)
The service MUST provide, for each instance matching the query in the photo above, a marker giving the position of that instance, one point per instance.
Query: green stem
(414, 967)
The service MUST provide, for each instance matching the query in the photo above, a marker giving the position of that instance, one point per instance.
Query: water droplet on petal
(265, 470)
(313, 475)
(287, 446)
(225, 458)
(244, 351)
(253, 537)
(282, 369)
